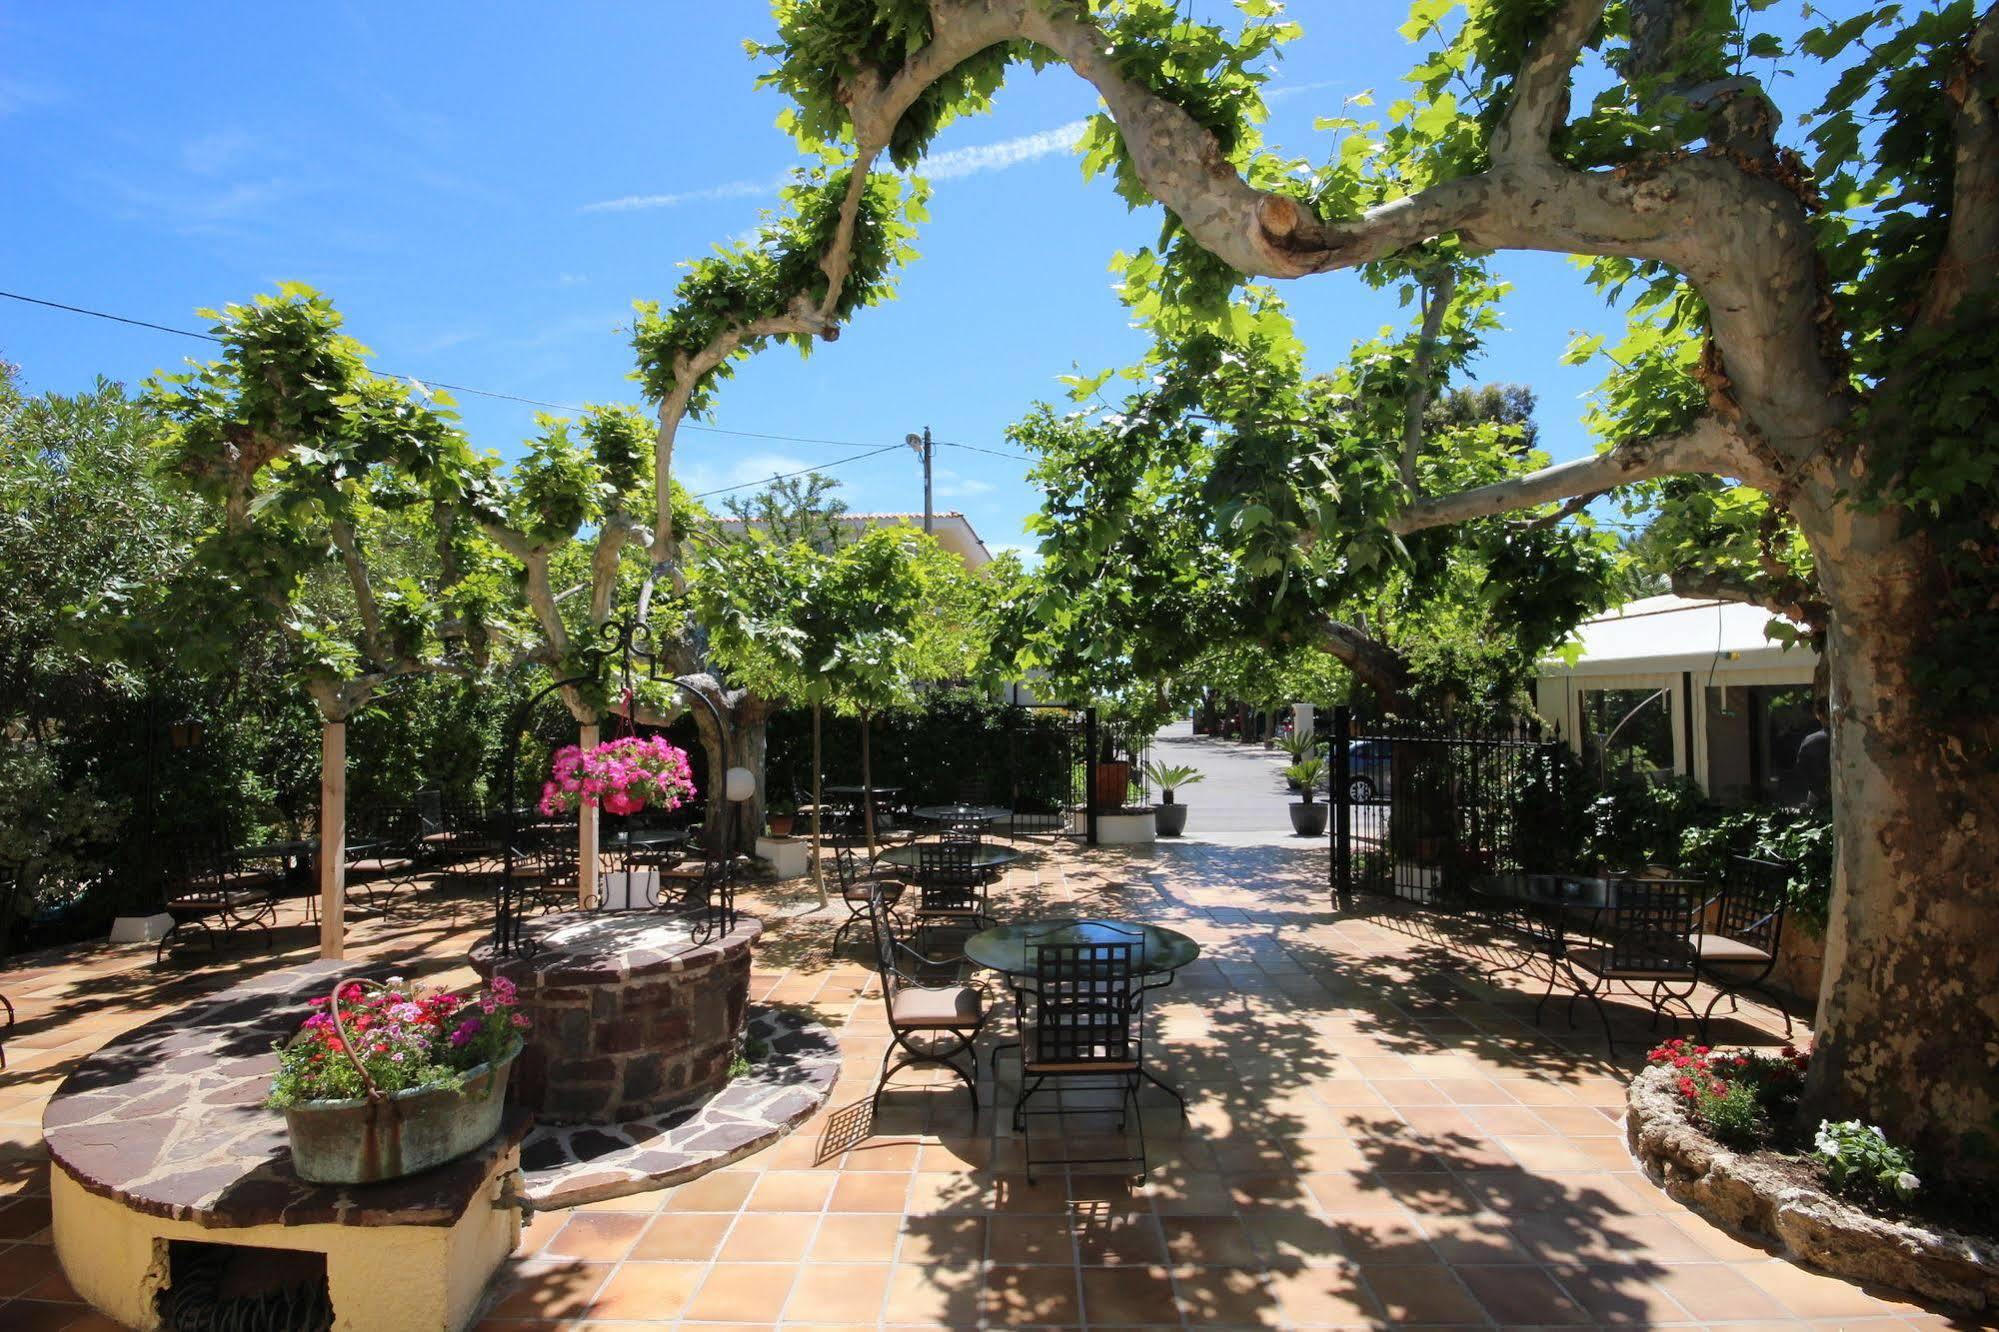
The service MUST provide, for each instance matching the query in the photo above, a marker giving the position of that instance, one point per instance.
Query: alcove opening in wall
(239, 1288)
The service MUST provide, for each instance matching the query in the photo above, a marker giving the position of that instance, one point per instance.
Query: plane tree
(1812, 317)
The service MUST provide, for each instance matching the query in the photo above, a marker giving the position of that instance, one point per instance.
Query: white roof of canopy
(1668, 633)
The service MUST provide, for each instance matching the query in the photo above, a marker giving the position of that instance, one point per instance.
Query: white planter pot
(788, 856)
(1126, 829)
(141, 929)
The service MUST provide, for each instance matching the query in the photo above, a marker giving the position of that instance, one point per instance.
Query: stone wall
(631, 1016)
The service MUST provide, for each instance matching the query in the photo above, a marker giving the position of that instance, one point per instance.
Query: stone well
(633, 1014)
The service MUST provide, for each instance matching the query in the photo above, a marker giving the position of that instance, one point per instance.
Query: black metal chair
(861, 886)
(950, 888)
(204, 889)
(545, 872)
(950, 1016)
(1738, 946)
(1644, 938)
(1081, 1018)
(382, 855)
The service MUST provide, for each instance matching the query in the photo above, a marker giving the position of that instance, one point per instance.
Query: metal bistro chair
(1645, 939)
(862, 886)
(1739, 951)
(950, 889)
(383, 857)
(1081, 1018)
(950, 1016)
(545, 872)
(205, 891)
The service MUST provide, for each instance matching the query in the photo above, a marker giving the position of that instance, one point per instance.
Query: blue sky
(484, 190)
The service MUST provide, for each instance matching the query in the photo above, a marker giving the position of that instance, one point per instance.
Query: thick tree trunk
(1907, 1035)
(733, 824)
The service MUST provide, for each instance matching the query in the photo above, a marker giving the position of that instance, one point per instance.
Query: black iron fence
(1420, 808)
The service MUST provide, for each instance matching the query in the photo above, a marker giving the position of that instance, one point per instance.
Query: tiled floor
(1378, 1136)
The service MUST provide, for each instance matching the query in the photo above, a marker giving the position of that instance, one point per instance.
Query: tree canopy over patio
(1818, 329)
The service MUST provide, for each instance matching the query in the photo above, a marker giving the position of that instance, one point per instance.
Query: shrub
(1735, 1095)
(1633, 824)
(1860, 1162)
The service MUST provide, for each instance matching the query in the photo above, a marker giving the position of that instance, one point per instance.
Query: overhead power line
(804, 471)
(495, 394)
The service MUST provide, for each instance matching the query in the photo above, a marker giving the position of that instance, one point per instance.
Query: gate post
(1090, 775)
(1341, 796)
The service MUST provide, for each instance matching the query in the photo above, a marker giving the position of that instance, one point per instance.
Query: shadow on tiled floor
(1377, 1135)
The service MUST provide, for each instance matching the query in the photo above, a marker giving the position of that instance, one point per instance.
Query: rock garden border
(1811, 1225)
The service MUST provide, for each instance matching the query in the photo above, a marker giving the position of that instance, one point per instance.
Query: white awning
(1668, 633)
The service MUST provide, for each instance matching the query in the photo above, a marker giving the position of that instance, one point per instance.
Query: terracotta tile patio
(1378, 1136)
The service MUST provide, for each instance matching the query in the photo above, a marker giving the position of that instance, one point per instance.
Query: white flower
(1906, 1184)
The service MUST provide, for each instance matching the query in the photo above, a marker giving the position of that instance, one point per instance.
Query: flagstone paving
(1377, 1136)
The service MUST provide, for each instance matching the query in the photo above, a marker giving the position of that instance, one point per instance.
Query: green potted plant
(1169, 818)
(387, 1079)
(1297, 748)
(780, 815)
(1308, 816)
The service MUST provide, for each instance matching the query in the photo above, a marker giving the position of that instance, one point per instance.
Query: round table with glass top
(959, 816)
(1010, 948)
(985, 856)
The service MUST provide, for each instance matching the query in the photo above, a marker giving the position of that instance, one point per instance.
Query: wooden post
(586, 836)
(333, 840)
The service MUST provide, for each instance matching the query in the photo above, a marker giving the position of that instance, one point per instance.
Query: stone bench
(161, 1148)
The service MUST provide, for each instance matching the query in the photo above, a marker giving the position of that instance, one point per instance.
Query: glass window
(1764, 743)
(1628, 733)
(1796, 749)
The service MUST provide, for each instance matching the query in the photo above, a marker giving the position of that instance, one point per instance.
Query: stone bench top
(609, 947)
(169, 1120)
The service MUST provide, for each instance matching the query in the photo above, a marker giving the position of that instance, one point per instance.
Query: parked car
(1368, 771)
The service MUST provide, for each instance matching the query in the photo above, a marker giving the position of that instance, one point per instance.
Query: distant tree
(795, 509)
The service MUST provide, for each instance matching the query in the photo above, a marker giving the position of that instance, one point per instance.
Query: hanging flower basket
(623, 775)
(387, 1080)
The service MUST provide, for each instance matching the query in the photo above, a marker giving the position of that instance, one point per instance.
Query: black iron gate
(1420, 809)
(1103, 767)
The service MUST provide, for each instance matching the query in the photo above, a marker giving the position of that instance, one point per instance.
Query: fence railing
(1419, 808)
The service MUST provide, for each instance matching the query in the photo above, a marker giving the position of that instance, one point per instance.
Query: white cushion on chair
(959, 1006)
(1721, 948)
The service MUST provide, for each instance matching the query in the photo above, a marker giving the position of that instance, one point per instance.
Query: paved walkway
(1241, 799)
(1379, 1137)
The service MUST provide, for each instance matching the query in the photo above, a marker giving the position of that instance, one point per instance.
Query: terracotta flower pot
(781, 824)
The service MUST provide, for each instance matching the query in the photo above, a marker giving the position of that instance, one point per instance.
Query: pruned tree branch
(1437, 295)
(1714, 585)
(1969, 263)
(1541, 89)
(1708, 447)
(349, 545)
(1566, 511)
(1375, 664)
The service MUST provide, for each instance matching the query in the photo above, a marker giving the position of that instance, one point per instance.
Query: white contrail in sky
(951, 165)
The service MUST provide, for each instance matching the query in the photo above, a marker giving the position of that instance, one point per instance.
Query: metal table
(1009, 949)
(962, 816)
(985, 856)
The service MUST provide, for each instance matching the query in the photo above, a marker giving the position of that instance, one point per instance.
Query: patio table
(1009, 950)
(962, 816)
(985, 856)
